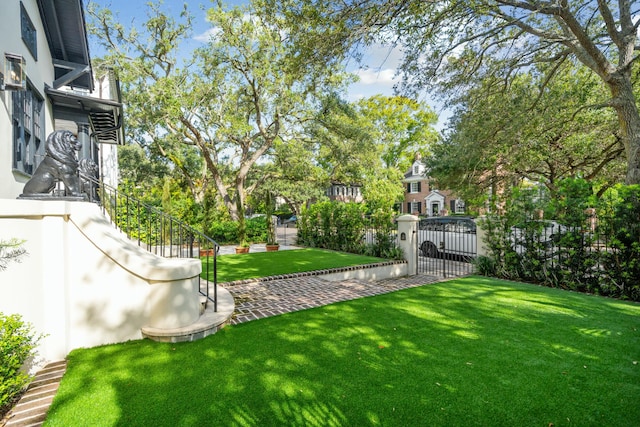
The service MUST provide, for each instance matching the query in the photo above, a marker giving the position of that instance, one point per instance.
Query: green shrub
(621, 261)
(345, 227)
(17, 342)
(223, 232)
(256, 229)
(485, 266)
(604, 260)
(226, 232)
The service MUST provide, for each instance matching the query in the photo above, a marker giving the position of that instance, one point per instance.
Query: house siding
(39, 72)
(417, 202)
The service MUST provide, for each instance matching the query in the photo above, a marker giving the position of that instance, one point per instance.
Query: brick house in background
(345, 192)
(422, 197)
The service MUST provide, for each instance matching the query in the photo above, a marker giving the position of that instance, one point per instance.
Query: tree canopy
(450, 45)
(498, 139)
(231, 100)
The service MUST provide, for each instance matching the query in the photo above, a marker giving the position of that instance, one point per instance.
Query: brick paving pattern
(264, 298)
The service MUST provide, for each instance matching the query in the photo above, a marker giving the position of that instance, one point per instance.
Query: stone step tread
(42, 377)
(208, 320)
(40, 392)
(39, 382)
(32, 408)
(36, 420)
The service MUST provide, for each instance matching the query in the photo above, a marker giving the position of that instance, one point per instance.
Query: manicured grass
(472, 351)
(263, 264)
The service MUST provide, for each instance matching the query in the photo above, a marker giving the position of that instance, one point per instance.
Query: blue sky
(378, 76)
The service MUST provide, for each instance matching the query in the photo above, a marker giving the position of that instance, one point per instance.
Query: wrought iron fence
(161, 234)
(446, 246)
(592, 257)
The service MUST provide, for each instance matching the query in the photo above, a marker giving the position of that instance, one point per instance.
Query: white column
(481, 238)
(407, 235)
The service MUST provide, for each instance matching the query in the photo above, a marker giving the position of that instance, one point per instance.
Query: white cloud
(385, 77)
(207, 35)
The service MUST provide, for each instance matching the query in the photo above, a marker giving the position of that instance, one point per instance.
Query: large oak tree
(231, 100)
(453, 43)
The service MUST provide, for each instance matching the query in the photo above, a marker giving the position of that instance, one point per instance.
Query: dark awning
(105, 116)
(65, 28)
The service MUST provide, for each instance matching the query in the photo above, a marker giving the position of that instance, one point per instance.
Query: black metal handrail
(159, 232)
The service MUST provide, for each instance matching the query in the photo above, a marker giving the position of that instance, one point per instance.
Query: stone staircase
(32, 408)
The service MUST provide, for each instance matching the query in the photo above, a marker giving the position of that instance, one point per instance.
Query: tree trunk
(625, 106)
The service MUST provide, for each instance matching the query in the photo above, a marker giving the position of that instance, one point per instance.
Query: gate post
(407, 241)
(481, 237)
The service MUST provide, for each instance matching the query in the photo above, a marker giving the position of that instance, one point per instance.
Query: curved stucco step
(207, 324)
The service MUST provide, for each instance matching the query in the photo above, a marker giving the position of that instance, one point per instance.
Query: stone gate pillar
(407, 235)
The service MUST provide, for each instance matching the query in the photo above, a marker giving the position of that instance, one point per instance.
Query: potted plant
(206, 251)
(243, 247)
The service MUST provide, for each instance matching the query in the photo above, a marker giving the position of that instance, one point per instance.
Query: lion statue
(88, 170)
(60, 164)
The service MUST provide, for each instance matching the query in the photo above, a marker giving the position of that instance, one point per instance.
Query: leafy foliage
(17, 342)
(621, 262)
(10, 250)
(345, 227)
(592, 245)
(498, 138)
(209, 116)
(227, 232)
(450, 45)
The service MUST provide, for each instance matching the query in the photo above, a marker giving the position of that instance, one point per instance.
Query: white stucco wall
(84, 284)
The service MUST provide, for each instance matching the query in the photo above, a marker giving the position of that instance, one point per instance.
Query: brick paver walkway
(264, 298)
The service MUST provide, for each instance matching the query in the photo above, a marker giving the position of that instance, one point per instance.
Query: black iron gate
(446, 246)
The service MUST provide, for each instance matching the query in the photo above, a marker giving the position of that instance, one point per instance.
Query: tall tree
(372, 142)
(231, 100)
(455, 42)
(401, 126)
(499, 139)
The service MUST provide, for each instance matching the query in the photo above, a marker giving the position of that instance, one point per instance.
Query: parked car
(544, 235)
(291, 220)
(452, 235)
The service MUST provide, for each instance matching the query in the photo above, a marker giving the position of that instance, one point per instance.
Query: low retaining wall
(377, 271)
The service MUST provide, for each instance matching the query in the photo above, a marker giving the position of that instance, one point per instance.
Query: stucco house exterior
(423, 198)
(81, 282)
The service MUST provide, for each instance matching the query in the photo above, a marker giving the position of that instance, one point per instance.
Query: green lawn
(263, 264)
(471, 351)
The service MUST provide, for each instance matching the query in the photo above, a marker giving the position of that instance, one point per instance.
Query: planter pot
(271, 248)
(242, 250)
(207, 252)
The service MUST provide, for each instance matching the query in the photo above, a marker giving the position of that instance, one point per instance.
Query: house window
(414, 187)
(28, 130)
(459, 206)
(415, 207)
(29, 36)
(416, 169)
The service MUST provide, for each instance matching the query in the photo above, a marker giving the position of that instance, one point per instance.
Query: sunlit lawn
(472, 351)
(263, 264)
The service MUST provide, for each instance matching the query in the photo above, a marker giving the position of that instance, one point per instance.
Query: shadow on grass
(470, 351)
